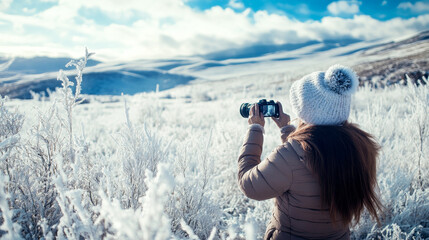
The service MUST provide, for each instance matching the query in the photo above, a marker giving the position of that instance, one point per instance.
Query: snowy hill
(20, 76)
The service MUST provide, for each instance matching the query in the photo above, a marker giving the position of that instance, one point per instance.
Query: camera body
(267, 108)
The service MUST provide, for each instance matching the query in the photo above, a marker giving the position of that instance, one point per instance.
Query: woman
(324, 173)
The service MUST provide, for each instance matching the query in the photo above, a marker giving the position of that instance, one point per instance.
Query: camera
(267, 108)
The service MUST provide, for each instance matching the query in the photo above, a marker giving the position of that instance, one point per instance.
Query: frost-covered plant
(37, 195)
(419, 100)
(140, 150)
(191, 202)
(396, 117)
(10, 126)
(37, 192)
(70, 100)
(76, 221)
(74, 193)
(154, 221)
(148, 221)
(394, 231)
(10, 121)
(11, 229)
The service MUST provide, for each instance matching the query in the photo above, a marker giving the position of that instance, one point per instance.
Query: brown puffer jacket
(298, 212)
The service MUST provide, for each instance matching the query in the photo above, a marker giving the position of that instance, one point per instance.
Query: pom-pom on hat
(323, 98)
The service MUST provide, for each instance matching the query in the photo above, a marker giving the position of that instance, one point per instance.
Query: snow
(114, 78)
(163, 164)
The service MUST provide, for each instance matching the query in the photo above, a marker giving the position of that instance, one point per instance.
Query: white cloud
(343, 7)
(4, 4)
(384, 3)
(168, 28)
(26, 10)
(416, 7)
(236, 4)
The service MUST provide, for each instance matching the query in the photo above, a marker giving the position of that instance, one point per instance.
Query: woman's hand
(283, 119)
(255, 117)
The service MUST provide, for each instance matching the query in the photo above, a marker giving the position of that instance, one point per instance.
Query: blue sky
(170, 28)
(317, 9)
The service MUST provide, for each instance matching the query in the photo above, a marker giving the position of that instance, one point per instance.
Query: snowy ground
(169, 169)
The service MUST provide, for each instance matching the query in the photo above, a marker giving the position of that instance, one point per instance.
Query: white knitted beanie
(324, 98)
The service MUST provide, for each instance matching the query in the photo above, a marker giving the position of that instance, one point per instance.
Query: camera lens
(244, 109)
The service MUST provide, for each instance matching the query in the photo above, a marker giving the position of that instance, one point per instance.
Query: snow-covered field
(163, 165)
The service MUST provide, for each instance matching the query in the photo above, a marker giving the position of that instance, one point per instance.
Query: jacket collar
(298, 149)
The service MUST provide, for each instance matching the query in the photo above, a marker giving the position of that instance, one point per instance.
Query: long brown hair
(344, 160)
